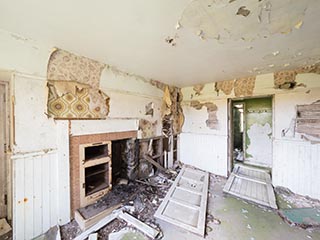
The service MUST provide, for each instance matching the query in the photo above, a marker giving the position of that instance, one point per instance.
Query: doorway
(4, 143)
(250, 132)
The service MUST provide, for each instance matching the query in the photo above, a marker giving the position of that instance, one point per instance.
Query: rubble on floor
(52, 234)
(288, 199)
(4, 227)
(5, 230)
(298, 210)
(139, 198)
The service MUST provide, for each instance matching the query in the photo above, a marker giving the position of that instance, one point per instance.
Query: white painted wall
(40, 157)
(295, 161)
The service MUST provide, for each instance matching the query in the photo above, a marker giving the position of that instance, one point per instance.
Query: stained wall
(294, 155)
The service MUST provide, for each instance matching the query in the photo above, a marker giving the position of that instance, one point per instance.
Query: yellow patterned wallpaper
(73, 84)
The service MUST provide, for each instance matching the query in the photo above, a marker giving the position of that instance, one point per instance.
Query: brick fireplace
(91, 166)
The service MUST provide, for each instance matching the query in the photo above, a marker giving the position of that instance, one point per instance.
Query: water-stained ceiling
(179, 42)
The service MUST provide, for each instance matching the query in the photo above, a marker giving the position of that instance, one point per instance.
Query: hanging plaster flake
(67, 66)
(244, 86)
(225, 86)
(166, 102)
(212, 121)
(177, 112)
(219, 19)
(148, 129)
(198, 88)
(72, 100)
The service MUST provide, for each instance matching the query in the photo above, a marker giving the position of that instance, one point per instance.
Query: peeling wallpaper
(73, 84)
(71, 100)
(64, 65)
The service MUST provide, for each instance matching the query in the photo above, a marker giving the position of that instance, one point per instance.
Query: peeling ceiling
(179, 42)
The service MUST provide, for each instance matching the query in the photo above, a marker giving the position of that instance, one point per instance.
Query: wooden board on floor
(84, 224)
(185, 204)
(251, 184)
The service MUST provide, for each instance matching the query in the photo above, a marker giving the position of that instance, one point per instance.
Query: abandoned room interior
(187, 119)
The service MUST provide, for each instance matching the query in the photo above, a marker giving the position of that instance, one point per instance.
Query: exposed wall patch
(212, 121)
(148, 129)
(225, 86)
(244, 86)
(198, 88)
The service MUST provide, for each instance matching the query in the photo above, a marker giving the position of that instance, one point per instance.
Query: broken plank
(157, 165)
(93, 236)
(97, 226)
(84, 224)
(149, 231)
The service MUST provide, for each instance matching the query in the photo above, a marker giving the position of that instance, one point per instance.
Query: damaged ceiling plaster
(243, 19)
(183, 44)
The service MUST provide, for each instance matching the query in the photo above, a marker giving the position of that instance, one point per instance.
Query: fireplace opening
(94, 152)
(96, 178)
(118, 150)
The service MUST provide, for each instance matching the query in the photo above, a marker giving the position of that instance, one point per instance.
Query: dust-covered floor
(227, 217)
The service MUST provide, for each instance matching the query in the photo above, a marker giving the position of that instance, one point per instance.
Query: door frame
(230, 127)
(6, 80)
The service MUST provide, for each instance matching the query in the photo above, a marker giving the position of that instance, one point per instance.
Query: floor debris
(302, 217)
(4, 227)
(52, 234)
(127, 234)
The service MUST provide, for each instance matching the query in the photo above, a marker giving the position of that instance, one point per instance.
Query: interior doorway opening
(250, 132)
(5, 172)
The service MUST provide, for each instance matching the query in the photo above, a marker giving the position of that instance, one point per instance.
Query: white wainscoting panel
(205, 151)
(37, 194)
(296, 165)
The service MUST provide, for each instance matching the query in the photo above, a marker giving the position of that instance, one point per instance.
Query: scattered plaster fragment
(271, 65)
(230, 1)
(243, 11)
(286, 64)
(249, 47)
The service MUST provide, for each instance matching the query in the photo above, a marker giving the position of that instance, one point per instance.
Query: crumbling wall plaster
(241, 86)
(212, 121)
